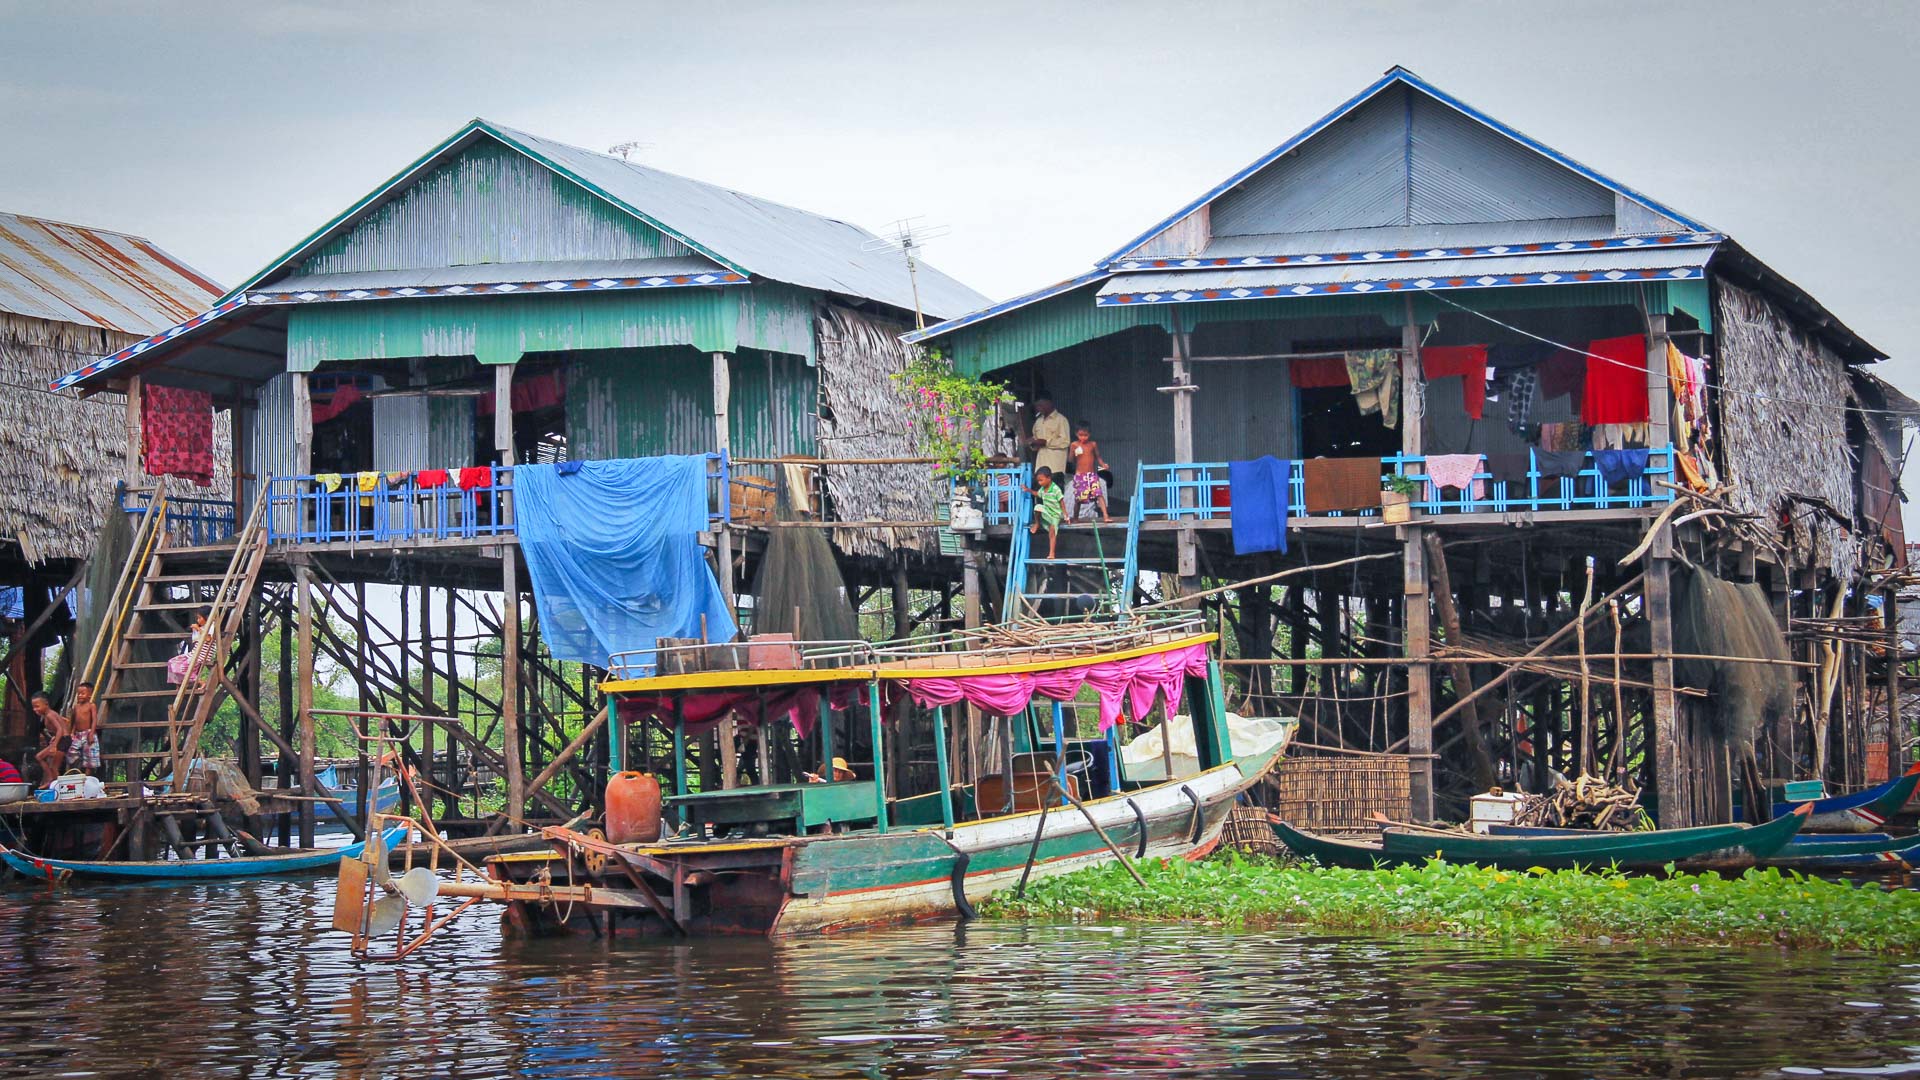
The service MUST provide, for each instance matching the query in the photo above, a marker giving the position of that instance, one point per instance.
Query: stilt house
(1582, 392)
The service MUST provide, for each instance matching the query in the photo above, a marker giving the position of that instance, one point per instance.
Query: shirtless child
(84, 754)
(53, 756)
(1087, 488)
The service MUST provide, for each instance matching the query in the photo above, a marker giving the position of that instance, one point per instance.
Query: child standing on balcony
(1046, 507)
(1087, 488)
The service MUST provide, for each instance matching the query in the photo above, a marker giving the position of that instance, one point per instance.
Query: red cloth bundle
(176, 430)
(1467, 361)
(1616, 384)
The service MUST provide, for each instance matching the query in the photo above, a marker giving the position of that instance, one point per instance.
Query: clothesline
(1712, 385)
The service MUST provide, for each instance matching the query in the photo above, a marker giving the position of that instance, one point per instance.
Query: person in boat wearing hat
(841, 771)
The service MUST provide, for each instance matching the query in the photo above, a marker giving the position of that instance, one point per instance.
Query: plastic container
(1493, 808)
(633, 808)
(15, 792)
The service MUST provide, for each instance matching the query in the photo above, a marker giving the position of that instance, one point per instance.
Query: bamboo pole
(1188, 599)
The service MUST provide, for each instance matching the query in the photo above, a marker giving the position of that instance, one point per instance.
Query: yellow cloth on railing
(328, 481)
(366, 481)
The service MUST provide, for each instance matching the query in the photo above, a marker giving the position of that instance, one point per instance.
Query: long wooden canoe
(1862, 811)
(1803, 846)
(294, 862)
(1628, 851)
(1329, 851)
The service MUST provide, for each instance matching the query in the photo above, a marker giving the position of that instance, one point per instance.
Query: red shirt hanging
(1616, 385)
(1467, 361)
(176, 428)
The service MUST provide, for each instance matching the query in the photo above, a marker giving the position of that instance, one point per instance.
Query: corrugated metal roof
(493, 273)
(762, 237)
(1572, 267)
(95, 277)
(1410, 237)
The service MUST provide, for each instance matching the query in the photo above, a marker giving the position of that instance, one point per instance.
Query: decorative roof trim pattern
(1398, 75)
(503, 288)
(1414, 255)
(1004, 306)
(1424, 284)
(145, 344)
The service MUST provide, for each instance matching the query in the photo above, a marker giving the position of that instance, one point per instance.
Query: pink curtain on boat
(701, 711)
(1129, 686)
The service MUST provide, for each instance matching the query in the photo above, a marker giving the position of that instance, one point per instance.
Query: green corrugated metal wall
(645, 402)
(490, 205)
(499, 330)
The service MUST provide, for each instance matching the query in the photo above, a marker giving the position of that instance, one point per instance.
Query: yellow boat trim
(715, 680)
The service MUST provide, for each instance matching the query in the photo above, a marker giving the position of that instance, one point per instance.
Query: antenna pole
(913, 279)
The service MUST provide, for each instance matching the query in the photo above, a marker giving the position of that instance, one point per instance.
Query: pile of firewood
(1586, 803)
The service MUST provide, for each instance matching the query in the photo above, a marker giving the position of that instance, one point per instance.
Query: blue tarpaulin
(615, 557)
(1258, 490)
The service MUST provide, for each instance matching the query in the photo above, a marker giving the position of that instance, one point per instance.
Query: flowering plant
(952, 416)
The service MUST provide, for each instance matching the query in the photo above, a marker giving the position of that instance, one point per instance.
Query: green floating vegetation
(1760, 907)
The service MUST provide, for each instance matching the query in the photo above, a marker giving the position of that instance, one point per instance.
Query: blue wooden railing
(399, 510)
(189, 522)
(1202, 487)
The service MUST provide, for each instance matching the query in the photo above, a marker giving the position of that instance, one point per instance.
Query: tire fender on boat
(1193, 828)
(960, 903)
(1140, 820)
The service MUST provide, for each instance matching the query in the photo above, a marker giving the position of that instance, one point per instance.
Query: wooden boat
(794, 858)
(1628, 851)
(1330, 851)
(386, 795)
(1807, 852)
(246, 866)
(1862, 811)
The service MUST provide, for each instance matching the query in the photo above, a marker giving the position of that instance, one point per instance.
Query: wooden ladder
(159, 606)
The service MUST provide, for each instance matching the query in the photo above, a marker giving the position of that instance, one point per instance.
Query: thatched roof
(60, 455)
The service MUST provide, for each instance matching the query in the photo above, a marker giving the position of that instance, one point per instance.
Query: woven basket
(1247, 830)
(1339, 794)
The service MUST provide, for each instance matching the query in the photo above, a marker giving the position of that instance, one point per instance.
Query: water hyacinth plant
(1760, 907)
(952, 416)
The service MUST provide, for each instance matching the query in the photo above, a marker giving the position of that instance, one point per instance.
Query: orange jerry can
(633, 808)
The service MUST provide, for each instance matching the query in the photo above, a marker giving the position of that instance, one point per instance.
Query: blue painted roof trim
(1004, 306)
(1401, 76)
(146, 344)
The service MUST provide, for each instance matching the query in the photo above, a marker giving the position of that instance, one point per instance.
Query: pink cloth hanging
(1130, 686)
(1456, 471)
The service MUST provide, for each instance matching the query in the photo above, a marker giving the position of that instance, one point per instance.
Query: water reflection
(238, 980)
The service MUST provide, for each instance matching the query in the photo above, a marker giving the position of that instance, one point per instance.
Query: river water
(240, 980)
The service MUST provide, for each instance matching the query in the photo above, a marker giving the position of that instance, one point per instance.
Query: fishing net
(798, 589)
(1716, 617)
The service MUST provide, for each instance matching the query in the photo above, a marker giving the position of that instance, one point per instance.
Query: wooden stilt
(303, 689)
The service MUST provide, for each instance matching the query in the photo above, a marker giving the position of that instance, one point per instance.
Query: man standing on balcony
(1051, 434)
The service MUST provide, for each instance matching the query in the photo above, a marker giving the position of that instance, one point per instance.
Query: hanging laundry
(343, 399)
(1618, 465)
(366, 482)
(428, 479)
(1616, 384)
(1517, 386)
(1554, 463)
(395, 479)
(1562, 436)
(1456, 471)
(1511, 468)
(1375, 378)
(530, 394)
(1690, 471)
(475, 476)
(176, 429)
(1562, 373)
(1259, 490)
(1340, 484)
(1318, 372)
(1619, 436)
(328, 481)
(1467, 361)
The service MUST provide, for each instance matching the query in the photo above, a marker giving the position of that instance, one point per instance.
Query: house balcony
(1197, 495)
(470, 507)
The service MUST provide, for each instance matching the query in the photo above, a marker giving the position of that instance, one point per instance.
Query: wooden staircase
(155, 600)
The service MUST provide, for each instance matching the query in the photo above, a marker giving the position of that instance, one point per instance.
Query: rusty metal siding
(490, 205)
(95, 277)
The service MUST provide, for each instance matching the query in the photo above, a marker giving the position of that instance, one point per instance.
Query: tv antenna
(626, 150)
(905, 236)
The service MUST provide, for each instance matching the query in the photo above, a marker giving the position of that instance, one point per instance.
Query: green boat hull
(1628, 851)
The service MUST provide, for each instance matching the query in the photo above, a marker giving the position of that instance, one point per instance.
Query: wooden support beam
(1670, 772)
(1484, 775)
(1417, 611)
(303, 689)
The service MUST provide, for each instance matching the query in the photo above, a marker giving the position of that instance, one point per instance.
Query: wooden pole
(1896, 740)
(1187, 558)
(1417, 624)
(1585, 744)
(513, 749)
(1484, 774)
(303, 689)
(134, 472)
(1675, 798)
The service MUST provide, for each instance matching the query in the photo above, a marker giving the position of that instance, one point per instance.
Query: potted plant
(1396, 496)
(952, 420)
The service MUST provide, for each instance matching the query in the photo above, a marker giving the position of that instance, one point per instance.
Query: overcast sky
(1043, 135)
